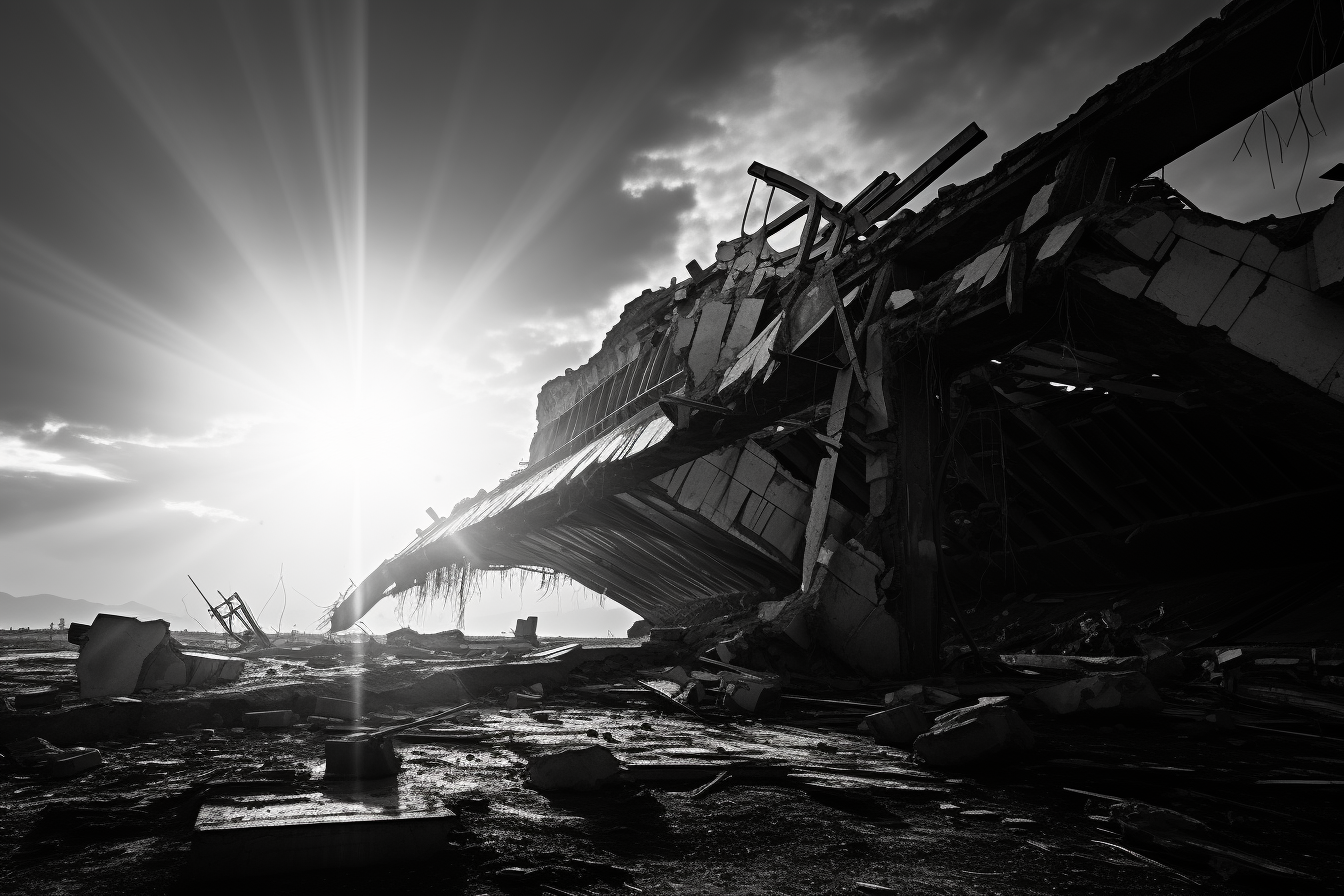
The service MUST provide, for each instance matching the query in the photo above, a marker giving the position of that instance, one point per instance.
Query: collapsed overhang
(1055, 374)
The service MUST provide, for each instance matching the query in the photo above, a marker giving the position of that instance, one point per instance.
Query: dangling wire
(765, 221)
(748, 208)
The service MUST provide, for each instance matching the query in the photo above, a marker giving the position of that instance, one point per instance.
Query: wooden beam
(952, 152)
(789, 184)
(821, 492)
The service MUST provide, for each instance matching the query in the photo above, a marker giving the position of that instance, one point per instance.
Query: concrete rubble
(1010, 514)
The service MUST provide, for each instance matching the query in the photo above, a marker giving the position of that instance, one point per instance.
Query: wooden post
(821, 493)
(916, 528)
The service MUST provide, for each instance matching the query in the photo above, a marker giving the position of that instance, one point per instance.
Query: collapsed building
(1060, 376)
(1059, 422)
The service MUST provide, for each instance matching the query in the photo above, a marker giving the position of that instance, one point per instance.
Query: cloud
(203, 511)
(221, 433)
(20, 457)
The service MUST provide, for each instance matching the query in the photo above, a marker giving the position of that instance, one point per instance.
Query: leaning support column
(913, 387)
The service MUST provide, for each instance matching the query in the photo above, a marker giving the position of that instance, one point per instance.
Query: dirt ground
(849, 811)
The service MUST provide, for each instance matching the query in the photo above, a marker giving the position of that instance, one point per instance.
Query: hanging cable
(746, 210)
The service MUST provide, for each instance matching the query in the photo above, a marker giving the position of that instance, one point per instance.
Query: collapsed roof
(1059, 375)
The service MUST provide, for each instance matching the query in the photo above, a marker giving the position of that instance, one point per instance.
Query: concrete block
(1058, 239)
(755, 469)
(717, 489)
(742, 329)
(789, 495)
(526, 629)
(72, 762)
(1120, 692)
(1296, 330)
(852, 624)
(1127, 281)
(974, 735)
(1260, 254)
(1144, 237)
(1333, 384)
(1231, 301)
(708, 340)
(35, 698)
(1327, 243)
(110, 660)
(1038, 206)
(164, 670)
(336, 708)
(208, 669)
(697, 484)
(732, 502)
(587, 768)
(983, 269)
(898, 726)
(317, 833)
(854, 566)
(751, 697)
(679, 477)
(784, 532)
(1190, 280)
(274, 718)
(1231, 242)
(1292, 266)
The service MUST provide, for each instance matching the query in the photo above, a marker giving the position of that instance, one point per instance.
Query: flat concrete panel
(1231, 301)
(789, 496)
(755, 469)
(697, 484)
(740, 333)
(1296, 330)
(1190, 280)
(1328, 248)
(733, 499)
(1260, 253)
(1292, 267)
(109, 662)
(317, 832)
(1144, 237)
(1229, 241)
(708, 339)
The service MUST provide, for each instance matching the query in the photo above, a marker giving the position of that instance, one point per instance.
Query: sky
(275, 277)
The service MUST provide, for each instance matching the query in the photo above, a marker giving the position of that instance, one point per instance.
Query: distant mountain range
(41, 610)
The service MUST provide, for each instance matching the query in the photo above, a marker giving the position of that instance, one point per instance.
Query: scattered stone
(898, 726)
(1021, 823)
(979, 814)
(1114, 692)
(587, 768)
(974, 734)
(276, 718)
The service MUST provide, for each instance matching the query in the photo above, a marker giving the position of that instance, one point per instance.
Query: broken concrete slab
(316, 832)
(1119, 692)
(335, 708)
(114, 654)
(973, 735)
(898, 726)
(751, 697)
(39, 755)
(587, 768)
(274, 718)
(851, 618)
